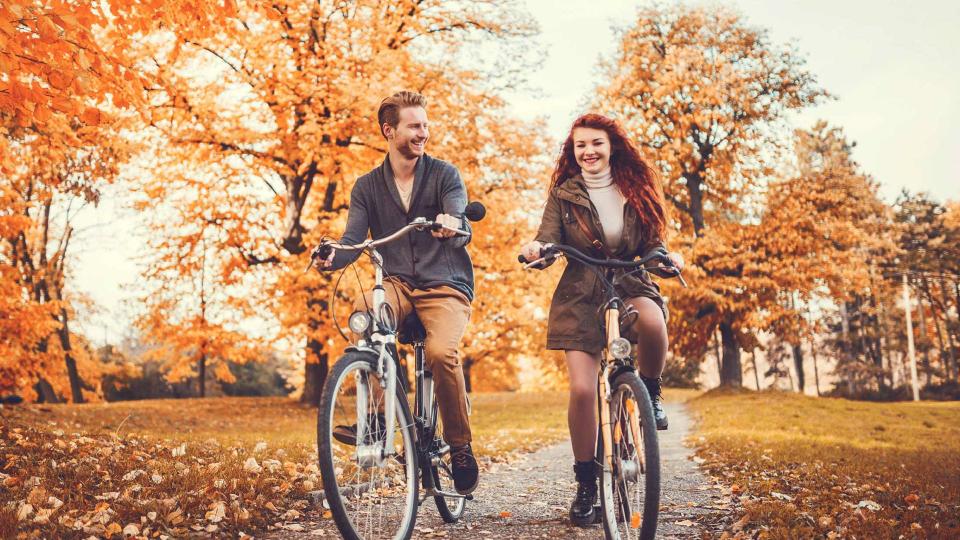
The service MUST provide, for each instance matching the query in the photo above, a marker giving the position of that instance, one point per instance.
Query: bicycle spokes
(625, 485)
(375, 483)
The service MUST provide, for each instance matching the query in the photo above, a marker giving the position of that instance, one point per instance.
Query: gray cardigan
(418, 258)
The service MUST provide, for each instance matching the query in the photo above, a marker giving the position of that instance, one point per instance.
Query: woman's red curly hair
(637, 182)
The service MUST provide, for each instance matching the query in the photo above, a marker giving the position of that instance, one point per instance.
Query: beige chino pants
(444, 312)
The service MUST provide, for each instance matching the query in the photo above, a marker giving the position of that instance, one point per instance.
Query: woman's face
(591, 148)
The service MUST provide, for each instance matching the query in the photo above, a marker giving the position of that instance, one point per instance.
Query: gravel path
(530, 498)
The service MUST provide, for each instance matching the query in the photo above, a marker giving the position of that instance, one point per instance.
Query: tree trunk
(76, 385)
(202, 376)
(845, 347)
(946, 320)
(716, 352)
(314, 373)
(694, 181)
(731, 373)
(46, 392)
(315, 366)
(936, 323)
(885, 339)
(816, 369)
(924, 342)
(798, 365)
(756, 373)
(876, 346)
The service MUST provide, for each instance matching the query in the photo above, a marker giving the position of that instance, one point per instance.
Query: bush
(256, 379)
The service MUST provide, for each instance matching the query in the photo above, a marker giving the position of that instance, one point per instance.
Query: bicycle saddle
(411, 330)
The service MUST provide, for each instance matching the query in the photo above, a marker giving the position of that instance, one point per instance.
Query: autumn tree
(704, 93)
(930, 245)
(279, 105)
(44, 192)
(819, 225)
(63, 80)
(190, 317)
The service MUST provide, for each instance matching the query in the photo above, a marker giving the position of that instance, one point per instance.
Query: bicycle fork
(612, 434)
(373, 455)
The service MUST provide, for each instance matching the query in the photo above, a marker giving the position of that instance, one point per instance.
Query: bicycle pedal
(468, 497)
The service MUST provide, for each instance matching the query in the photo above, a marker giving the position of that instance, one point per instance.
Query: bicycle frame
(612, 322)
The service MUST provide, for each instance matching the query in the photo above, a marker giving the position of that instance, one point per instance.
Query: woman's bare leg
(650, 332)
(583, 369)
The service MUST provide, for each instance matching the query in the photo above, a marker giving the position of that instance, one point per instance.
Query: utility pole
(910, 351)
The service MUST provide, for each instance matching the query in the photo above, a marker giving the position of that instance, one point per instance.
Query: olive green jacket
(574, 322)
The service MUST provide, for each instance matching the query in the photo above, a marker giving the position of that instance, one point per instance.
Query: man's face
(411, 134)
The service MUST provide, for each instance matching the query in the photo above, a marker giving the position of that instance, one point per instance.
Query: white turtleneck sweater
(608, 200)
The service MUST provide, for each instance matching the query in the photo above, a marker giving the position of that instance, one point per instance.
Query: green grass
(815, 467)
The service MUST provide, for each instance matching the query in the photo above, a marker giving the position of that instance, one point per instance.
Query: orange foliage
(704, 94)
(260, 134)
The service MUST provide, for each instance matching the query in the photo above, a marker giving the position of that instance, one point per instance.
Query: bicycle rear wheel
(630, 488)
(370, 497)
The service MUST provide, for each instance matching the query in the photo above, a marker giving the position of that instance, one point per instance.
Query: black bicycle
(627, 446)
(375, 454)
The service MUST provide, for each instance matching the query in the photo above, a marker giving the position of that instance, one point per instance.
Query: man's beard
(409, 151)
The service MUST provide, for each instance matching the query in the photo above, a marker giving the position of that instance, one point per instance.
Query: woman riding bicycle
(606, 201)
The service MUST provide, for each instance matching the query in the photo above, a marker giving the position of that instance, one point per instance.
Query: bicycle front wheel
(630, 486)
(369, 495)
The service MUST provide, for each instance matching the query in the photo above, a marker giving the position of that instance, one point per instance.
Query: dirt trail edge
(530, 498)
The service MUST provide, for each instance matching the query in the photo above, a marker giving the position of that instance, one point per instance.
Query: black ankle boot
(653, 388)
(581, 511)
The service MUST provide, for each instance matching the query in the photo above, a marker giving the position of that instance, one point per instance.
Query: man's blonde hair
(389, 112)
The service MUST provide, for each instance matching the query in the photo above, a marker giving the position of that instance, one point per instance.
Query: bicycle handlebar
(475, 211)
(549, 252)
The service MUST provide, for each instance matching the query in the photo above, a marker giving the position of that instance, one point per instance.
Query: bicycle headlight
(359, 322)
(620, 348)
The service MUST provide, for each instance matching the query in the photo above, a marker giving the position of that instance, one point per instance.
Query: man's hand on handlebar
(449, 225)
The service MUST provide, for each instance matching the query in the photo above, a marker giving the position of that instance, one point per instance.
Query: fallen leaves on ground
(75, 485)
(802, 467)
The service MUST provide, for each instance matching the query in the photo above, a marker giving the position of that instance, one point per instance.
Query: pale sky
(894, 67)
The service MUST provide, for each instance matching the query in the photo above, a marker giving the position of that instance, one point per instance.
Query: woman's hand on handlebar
(677, 260)
(670, 265)
(531, 251)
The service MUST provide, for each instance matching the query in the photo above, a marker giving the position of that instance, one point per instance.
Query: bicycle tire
(620, 520)
(350, 363)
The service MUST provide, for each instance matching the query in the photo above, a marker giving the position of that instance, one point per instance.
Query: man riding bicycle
(430, 273)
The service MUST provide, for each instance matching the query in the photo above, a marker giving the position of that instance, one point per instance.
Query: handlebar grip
(521, 259)
(322, 252)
